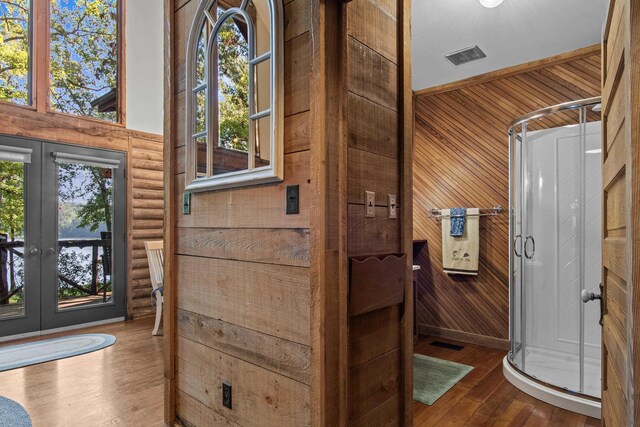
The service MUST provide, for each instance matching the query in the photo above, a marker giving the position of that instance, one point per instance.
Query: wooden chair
(155, 255)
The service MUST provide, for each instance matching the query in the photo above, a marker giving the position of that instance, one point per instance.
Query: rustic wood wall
(621, 214)
(374, 118)
(242, 277)
(144, 180)
(461, 159)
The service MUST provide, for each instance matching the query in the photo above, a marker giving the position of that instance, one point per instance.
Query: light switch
(186, 203)
(393, 207)
(370, 204)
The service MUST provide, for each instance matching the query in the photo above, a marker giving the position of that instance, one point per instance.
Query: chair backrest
(155, 255)
(105, 236)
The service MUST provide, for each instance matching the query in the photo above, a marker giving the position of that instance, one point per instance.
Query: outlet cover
(370, 204)
(293, 199)
(227, 397)
(393, 207)
(186, 203)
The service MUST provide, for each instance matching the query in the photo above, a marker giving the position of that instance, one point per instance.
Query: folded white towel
(460, 254)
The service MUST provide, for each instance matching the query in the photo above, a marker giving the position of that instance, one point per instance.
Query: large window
(84, 57)
(80, 74)
(233, 102)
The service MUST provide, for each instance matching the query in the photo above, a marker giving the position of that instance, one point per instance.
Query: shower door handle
(526, 252)
(590, 296)
(515, 245)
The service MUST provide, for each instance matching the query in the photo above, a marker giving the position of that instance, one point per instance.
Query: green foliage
(233, 87)
(14, 51)
(83, 53)
(84, 41)
(11, 199)
(86, 193)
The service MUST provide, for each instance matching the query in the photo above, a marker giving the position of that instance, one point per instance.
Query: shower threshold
(551, 395)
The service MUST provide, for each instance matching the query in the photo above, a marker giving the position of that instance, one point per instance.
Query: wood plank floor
(484, 397)
(119, 386)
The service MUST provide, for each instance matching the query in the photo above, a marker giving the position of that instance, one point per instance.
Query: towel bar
(496, 210)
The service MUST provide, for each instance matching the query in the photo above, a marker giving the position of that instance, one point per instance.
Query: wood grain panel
(369, 171)
(371, 75)
(373, 383)
(621, 214)
(257, 207)
(379, 350)
(242, 290)
(278, 401)
(282, 356)
(381, 138)
(373, 334)
(461, 159)
(271, 246)
(257, 296)
(372, 236)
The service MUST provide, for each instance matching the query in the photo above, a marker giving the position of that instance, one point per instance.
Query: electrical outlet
(370, 204)
(393, 207)
(293, 199)
(227, 400)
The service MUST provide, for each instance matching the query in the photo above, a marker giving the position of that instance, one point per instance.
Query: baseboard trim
(468, 337)
(63, 329)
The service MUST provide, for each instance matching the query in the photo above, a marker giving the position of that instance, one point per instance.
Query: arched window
(233, 105)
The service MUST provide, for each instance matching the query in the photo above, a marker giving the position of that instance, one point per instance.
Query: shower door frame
(515, 347)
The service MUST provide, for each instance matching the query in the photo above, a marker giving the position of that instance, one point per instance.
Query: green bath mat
(434, 377)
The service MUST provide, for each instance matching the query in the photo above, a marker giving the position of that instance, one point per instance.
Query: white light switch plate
(393, 207)
(370, 204)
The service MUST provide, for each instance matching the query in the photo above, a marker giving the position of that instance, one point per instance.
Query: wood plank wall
(144, 179)
(242, 276)
(461, 159)
(621, 214)
(374, 67)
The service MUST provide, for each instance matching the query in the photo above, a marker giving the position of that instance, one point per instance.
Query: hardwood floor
(118, 386)
(484, 397)
(122, 386)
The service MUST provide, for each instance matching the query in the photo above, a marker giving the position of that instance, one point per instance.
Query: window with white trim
(233, 107)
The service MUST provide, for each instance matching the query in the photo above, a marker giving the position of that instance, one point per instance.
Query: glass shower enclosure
(555, 241)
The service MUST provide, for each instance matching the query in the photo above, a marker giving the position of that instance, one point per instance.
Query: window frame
(40, 16)
(252, 175)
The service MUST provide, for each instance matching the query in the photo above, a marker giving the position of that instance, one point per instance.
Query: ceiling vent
(465, 55)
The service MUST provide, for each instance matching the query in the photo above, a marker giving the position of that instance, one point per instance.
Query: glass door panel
(84, 240)
(85, 224)
(552, 262)
(19, 236)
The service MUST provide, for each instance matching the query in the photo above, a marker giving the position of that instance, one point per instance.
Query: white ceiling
(515, 32)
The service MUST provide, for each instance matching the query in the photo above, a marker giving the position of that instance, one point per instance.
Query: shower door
(556, 251)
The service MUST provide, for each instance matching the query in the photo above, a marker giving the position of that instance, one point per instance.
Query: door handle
(515, 245)
(526, 252)
(51, 251)
(590, 296)
(34, 250)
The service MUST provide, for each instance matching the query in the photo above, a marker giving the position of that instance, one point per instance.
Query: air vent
(465, 55)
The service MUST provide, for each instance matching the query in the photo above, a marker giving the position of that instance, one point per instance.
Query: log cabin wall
(461, 159)
(144, 181)
(240, 265)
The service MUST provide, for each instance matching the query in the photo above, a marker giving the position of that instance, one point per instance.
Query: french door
(62, 235)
